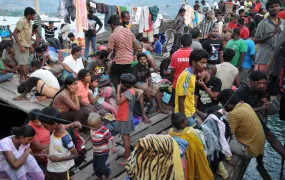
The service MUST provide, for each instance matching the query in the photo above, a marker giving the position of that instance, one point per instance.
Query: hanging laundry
(135, 14)
(189, 15)
(143, 23)
(154, 12)
(112, 10)
(81, 16)
(102, 8)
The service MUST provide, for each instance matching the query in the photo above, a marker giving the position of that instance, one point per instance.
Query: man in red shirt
(180, 60)
(233, 24)
(281, 14)
(242, 15)
(244, 32)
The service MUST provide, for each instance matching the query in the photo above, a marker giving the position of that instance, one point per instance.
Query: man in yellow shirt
(185, 87)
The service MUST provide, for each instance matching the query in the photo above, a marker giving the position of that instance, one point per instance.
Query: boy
(157, 45)
(100, 137)
(62, 151)
(42, 57)
(72, 39)
(9, 60)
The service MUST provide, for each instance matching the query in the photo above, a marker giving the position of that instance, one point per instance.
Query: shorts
(155, 30)
(55, 175)
(21, 58)
(149, 35)
(244, 74)
(153, 90)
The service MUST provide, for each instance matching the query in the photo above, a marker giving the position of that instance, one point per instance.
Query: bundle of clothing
(155, 156)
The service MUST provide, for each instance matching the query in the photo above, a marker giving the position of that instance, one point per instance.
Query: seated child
(100, 137)
(72, 39)
(41, 56)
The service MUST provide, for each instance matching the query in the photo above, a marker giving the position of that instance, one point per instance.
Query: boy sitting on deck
(9, 60)
(72, 40)
(41, 56)
(100, 137)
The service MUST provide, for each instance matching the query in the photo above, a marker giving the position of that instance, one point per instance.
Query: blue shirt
(4, 32)
(157, 48)
(248, 61)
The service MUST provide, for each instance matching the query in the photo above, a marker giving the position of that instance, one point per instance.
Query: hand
(148, 93)
(201, 83)
(28, 150)
(114, 149)
(3, 72)
(266, 106)
(22, 49)
(119, 88)
(77, 124)
(135, 57)
(95, 32)
(54, 158)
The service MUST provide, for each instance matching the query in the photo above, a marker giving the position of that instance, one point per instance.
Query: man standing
(178, 26)
(267, 33)
(49, 35)
(240, 47)
(234, 23)
(23, 37)
(90, 34)
(244, 32)
(125, 18)
(123, 48)
(206, 25)
(249, 59)
(226, 35)
(196, 34)
(216, 56)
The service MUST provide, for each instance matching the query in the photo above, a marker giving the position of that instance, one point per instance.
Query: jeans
(87, 45)
(191, 121)
(99, 165)
(54, 42)
(6, 77)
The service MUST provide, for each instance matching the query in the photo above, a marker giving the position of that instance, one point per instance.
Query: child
(72, 39)
(124, 118)
(41, 56)
(62, 151)
(100, 137)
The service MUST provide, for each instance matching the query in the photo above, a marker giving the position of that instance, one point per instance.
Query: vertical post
(37, 6)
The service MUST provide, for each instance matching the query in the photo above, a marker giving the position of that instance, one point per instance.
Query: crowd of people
(222, 78)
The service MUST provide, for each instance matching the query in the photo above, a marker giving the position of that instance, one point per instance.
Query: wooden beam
(37, 6)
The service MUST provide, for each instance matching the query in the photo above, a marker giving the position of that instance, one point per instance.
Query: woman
(16, 162)
(67, 103)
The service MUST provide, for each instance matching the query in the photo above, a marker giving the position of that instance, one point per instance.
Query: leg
(126, 141)
(261, 169)
(172, 99)
(52, 42)
(239, 149)
(87, 47)
(275, 143)
(29, 85)
(159, 103)
(57, 43)
(96, 167)
(101, 165)
(94, 43)
(6, 77)
(144, 116)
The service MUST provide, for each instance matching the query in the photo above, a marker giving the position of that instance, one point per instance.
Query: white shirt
(47, 77)
(65, 31)
(226, 72)
(75, 65)
(157, 23)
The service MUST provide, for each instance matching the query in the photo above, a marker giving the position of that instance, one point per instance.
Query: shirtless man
(226, 35)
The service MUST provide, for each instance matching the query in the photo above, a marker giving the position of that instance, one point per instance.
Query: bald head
(94, 120)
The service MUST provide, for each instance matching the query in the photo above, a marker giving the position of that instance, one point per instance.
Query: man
(257, 6)
(239, 46)
(180, 60)
(9, 60)
(125, 18)
(267, 33)
(205, 7)
(249, 138)
(222, 6)
(251, 25)
(165, 70)
(244, 32)
(247, 5)
(123, 48)
(220, 22)
(206, 91)
(226, 35)
(281, 14)
(234, 23)
(226, 72)
(157, 24)
(178, 26)
(259, 16)
(185, 87)
(23, 38)
(206, 25)
(49, 35)
(242, 15)
(157, 48)
(216, 56)
(90, 34)
(249, 60)
(196, 34)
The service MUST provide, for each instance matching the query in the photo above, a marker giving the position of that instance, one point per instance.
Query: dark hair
(128, 80)
(140, 55)
(228, 95)
(197, 54)
(36, 64)
(258, 75)
(73, 45)
(114, 19)
(196, 6)
(23, 131)
(44, 46)
(260, 9)
(49, 111)
(70, 35)
(29, 11)
(34, 114)
(174, 49)
(177, 119)
(156, 36)
(39, 50)
(8, 45)
(236, 31)
(250, 15)
(241, 21)
(103, 54)
(50, 22)
(186, 40)
(82, 74)
(123, 13)
(271, 2)
(181, 10)
(213, 109)
(207, 47)
(95, 77)
(35, 26)
(21, 88)
(241, 11)
(144, 39)
(195, 33)
(75, 49)
(228, 54)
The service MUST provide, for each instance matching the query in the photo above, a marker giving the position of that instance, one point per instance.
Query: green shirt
(1, 65)
(239, 46)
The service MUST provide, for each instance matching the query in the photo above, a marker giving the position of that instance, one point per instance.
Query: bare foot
(19, 98)
(123, 163)
(42, 98)
(100, 178)
(163, 111)
(167, 107)
(146, 119)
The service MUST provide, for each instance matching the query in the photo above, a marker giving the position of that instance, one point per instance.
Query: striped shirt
(247, 128)
(38, 21)
(121, 42)
(100, 139)
(205, 26)
(49, 33)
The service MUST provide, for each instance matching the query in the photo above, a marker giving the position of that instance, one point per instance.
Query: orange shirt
(83, 92)
(42, 135)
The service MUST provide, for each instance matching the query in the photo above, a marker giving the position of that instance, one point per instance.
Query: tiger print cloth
(155, 157)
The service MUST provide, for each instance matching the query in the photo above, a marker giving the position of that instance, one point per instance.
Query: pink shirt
(83, 92)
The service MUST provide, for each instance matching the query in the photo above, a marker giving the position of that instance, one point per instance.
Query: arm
(237, 80)
(181, 100)
(212, 94)
(15, 34)
(73, 155)
(221, 56)
(120, 99)
(68, 102)
(258, 40)
(214, 71)
(13, 161)
(241, 59)
(106, 83)
(67, 68)
(83, 103)
(92, 99)
(202, 115)
(37, 145)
